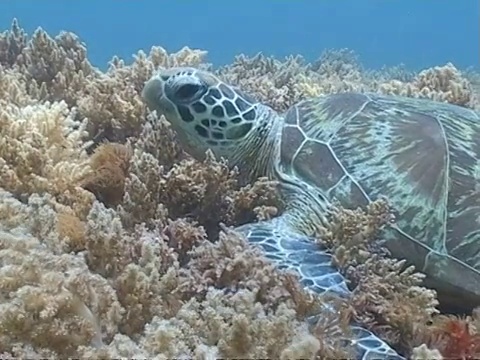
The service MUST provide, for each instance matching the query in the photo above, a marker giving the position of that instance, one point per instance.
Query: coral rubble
(111, 237)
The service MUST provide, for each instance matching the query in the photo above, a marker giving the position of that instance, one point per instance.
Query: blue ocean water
(418, 33)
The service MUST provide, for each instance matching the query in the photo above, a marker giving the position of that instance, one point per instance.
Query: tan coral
(112, 101)
(307, 87)
(72, 230)
(12, 43)
(272, 81)
(441, 83)
(54, 68)
(57, 68)
(13, 89)
(49, 301)
(150, 277)
(163, 180)
(339, 71)
(388, 297)
(448, 84)
(145, 275)
(41, 149)
(281, 84)
(110, 167)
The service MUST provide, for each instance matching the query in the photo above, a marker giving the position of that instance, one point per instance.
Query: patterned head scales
(205, 112)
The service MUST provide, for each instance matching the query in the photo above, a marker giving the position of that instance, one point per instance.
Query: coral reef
(283, 83)
(112, 239)
(441, 83)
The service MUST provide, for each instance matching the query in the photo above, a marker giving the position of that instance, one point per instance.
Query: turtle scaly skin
(423, 155)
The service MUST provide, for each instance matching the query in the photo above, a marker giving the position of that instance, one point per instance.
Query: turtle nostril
(187, 91)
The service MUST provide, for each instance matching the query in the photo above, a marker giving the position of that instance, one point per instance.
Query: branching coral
(441, 83)
(52, 302)
(112, 101)
(37, 145)
(111, 240)
(135, 281)
(339, 71)
(388, 296)
(13, 89)
(164, 180)
(12, 43)
(142, 260)
(58, 69)
(283, 83)
(110, 165)
(270, 80)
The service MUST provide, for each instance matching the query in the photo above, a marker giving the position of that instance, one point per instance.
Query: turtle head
(205, 112)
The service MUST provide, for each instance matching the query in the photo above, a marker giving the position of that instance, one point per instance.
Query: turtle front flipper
(291, 250)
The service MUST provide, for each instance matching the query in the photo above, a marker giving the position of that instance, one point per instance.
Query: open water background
(417, 33)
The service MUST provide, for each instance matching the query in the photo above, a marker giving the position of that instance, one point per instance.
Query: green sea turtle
(351, 147)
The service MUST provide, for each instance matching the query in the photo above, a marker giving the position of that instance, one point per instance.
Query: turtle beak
(153, 93)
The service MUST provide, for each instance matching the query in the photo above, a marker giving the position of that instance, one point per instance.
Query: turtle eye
(187, 91)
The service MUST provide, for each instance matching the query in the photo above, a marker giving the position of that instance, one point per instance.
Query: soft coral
(456, 338)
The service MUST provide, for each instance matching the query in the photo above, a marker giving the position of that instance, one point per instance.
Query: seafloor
(110, 241)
